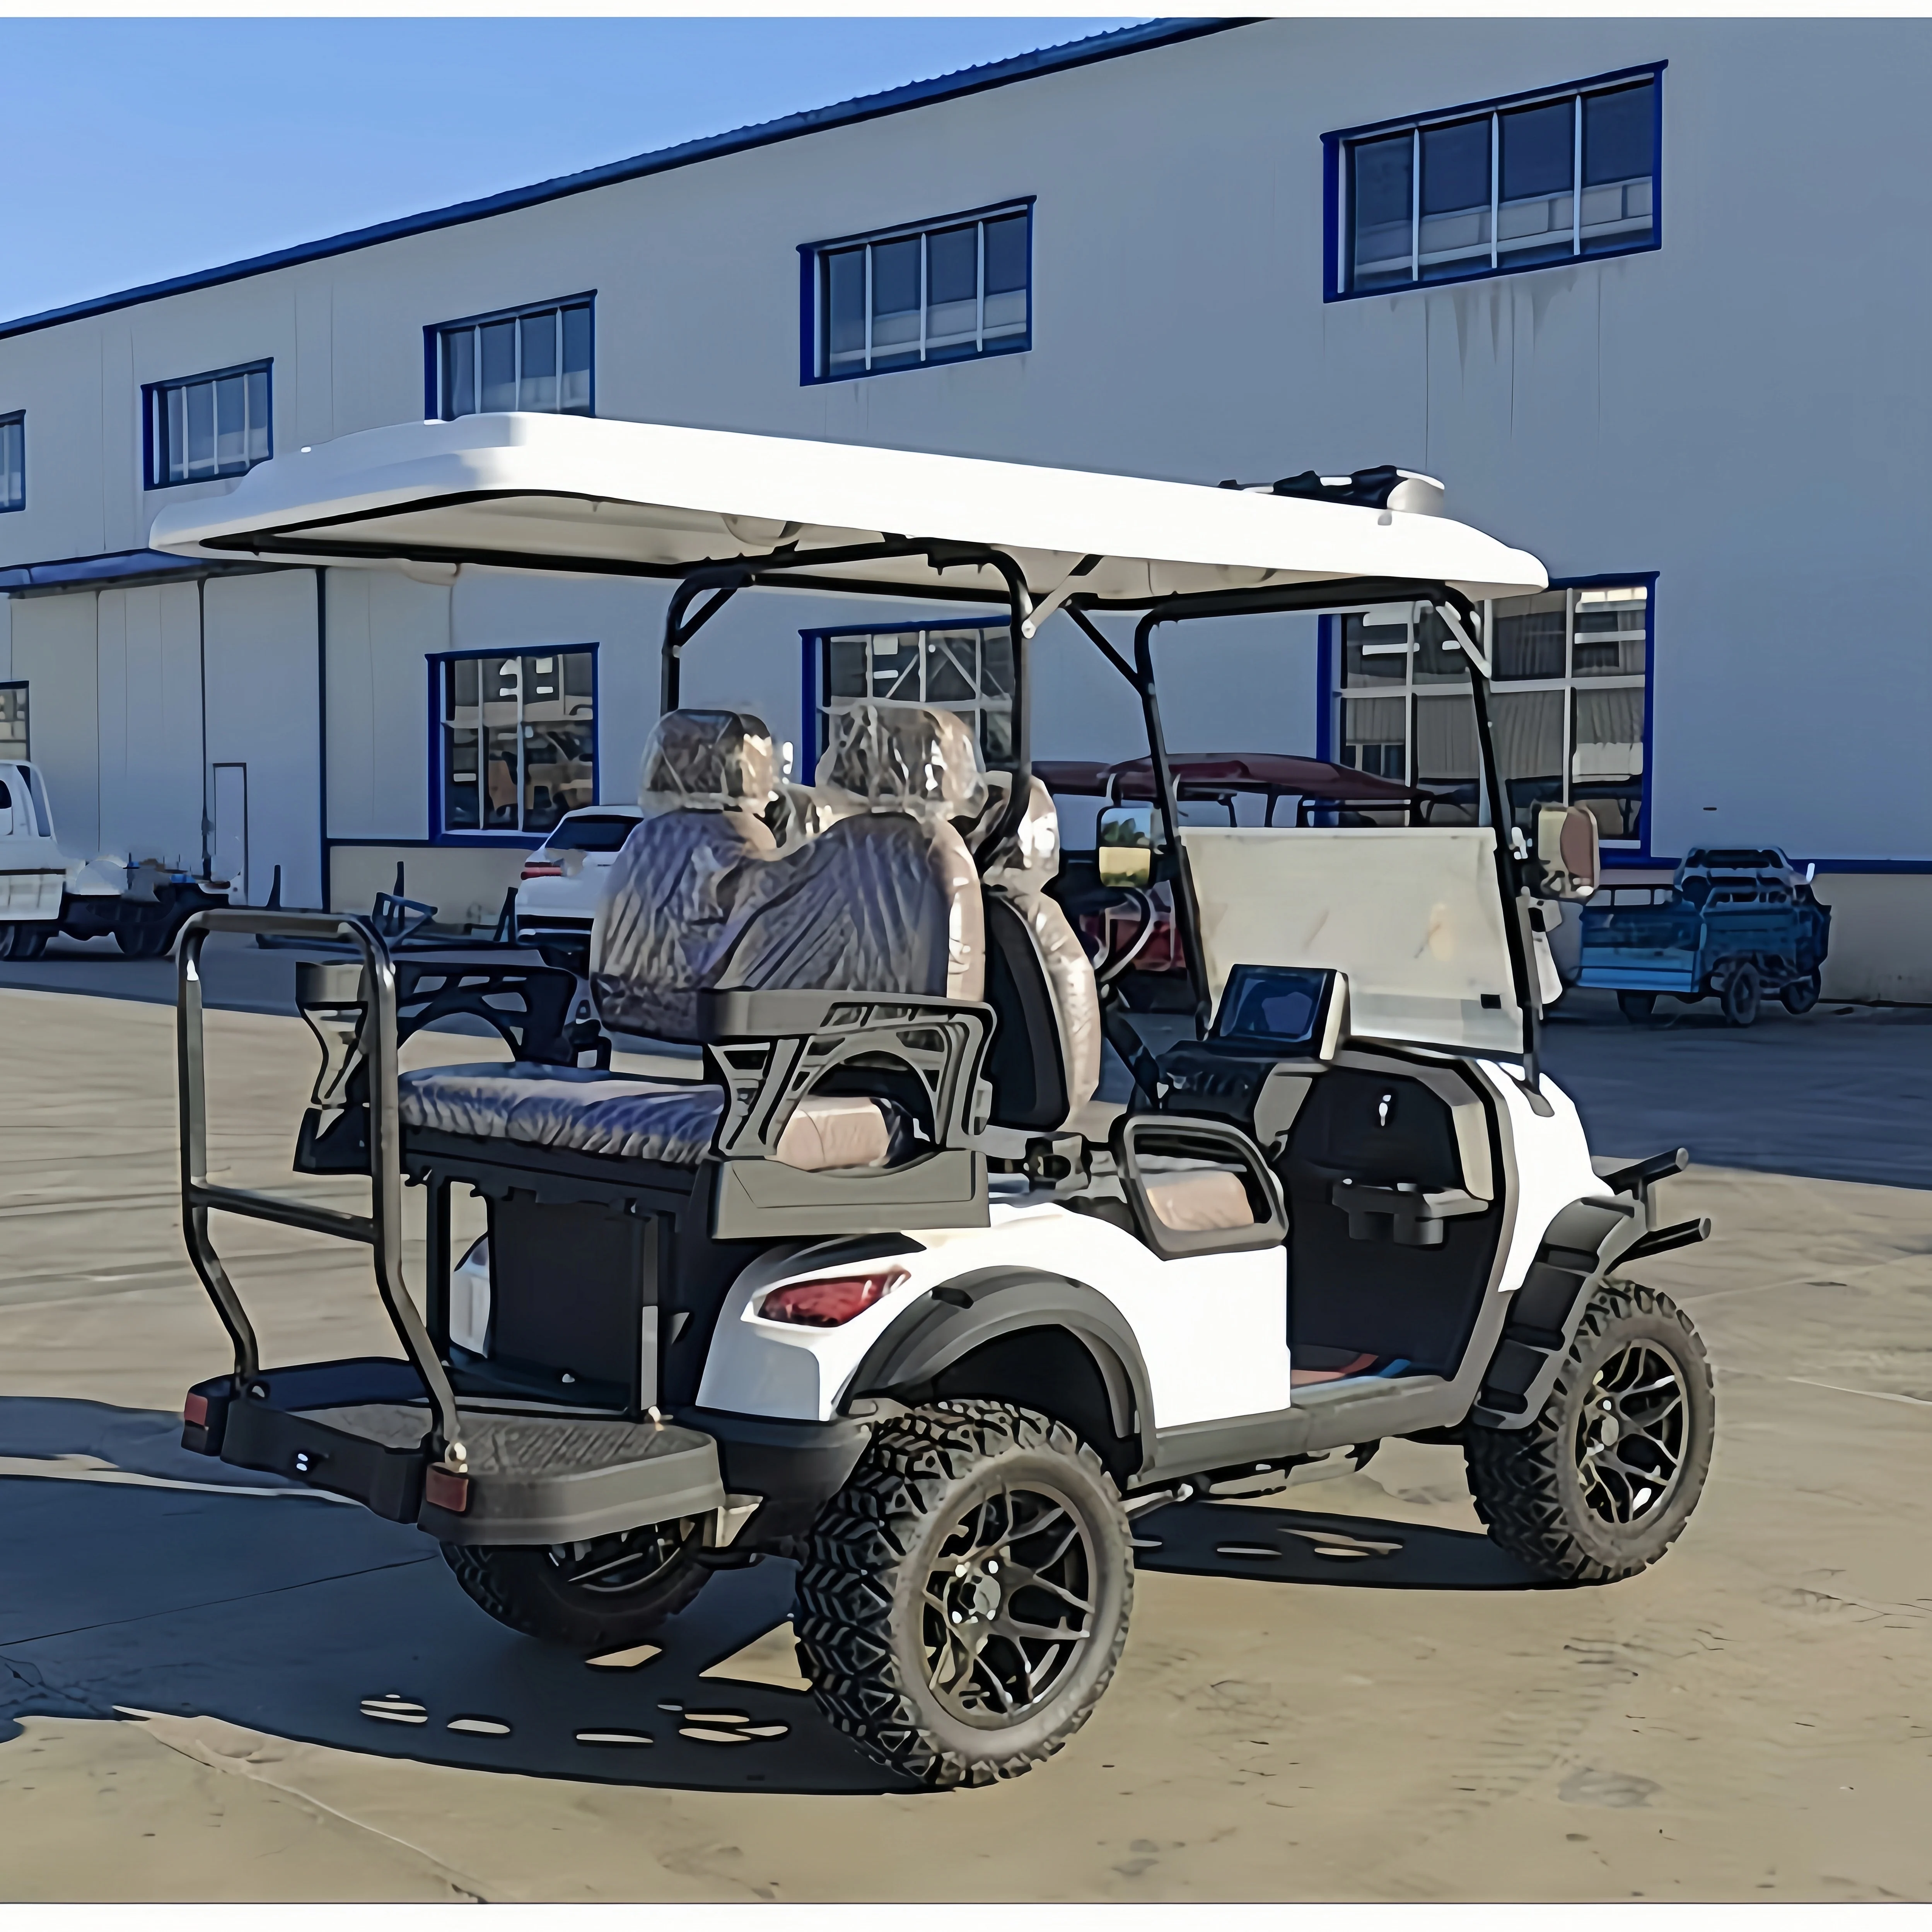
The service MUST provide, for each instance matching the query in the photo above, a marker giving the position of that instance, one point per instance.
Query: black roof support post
(1186, 907)
(1509, 879)
(723, 584)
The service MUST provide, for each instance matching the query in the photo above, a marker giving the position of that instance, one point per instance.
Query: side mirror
(1124, 844)
(1567, 864)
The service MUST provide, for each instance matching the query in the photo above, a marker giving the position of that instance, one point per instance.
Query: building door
(228, 854)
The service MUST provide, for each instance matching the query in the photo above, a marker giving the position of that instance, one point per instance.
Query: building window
(1489, 190)
(14, 461)
(1568, 703)
(518, 739)
(209, 426)
(943, 292)
(526, 359)
(13, 741)
(966, 668)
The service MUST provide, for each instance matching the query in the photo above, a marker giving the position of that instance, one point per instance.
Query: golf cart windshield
(714, 512)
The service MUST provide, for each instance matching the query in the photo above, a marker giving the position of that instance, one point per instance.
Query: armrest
(551, 1021)
(792, 1012)
(770, 1048)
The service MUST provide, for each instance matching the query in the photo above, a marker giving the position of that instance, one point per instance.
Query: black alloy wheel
(1631, 1434)
(611, 1591)
(967, 1594)
(1602, 1481)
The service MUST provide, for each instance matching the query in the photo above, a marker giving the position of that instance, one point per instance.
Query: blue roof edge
(765, 133)
(118, 567)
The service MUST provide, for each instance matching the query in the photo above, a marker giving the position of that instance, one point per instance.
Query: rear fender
(1579, 1248)
(963, 1315)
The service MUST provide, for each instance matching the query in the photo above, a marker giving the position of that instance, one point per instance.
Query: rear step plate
(525, 1479)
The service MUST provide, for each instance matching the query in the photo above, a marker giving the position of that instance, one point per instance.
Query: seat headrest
(708, 761)
(913, 758)
(1029, 855)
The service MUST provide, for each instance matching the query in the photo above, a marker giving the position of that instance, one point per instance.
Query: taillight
(542, 868)
(825, 1304)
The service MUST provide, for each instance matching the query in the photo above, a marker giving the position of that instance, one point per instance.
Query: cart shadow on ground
(135, 1577)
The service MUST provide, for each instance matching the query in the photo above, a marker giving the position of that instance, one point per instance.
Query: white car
(563, 878)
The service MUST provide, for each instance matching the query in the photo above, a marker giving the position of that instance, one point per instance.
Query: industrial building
(1556, 264)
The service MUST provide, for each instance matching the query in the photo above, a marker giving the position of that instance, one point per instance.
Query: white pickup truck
(142, 902)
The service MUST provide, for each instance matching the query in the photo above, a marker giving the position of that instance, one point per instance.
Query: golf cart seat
(700, 901)
(587, 1110)
(1045, 1062)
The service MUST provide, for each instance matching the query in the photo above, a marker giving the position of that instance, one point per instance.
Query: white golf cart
(143, 903)
(883, 1287)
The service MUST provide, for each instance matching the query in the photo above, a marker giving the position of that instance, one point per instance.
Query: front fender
(1580, 1246)
(964, 1314)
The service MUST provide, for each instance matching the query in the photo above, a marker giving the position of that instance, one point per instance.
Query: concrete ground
(185, 1649)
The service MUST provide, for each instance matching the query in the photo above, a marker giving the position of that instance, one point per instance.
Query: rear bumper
(356, 1429)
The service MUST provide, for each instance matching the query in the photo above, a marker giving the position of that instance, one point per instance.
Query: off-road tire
(1636, 1007)
(520, 1585)
(862, 1606)
(1802, 995)
(1528, 1482)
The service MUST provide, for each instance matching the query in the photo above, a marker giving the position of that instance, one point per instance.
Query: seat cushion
(584, 1109)
(1201, 1201)
(588, 1110)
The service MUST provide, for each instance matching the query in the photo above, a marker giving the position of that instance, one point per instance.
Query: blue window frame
(951, 290)
(1570, 703)
(537, 358)
(14, 461)
(515, 740)
(15, 745)
(966, 666)
(198, 427)
(1492, 188)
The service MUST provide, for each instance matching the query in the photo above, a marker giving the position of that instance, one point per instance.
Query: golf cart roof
(579, 494)
(1216, 774)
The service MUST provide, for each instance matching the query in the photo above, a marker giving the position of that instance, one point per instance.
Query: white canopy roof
(571, 492)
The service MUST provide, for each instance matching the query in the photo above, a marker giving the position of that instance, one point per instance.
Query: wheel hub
(1631, 1434)
(1008, 1605)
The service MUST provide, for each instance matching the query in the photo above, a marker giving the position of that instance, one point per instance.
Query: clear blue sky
(144, 148)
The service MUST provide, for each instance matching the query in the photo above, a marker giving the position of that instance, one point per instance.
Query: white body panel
(1214, 1331)
(1552, 1164)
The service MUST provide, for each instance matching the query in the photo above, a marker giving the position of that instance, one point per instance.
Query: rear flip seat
(588, 1110)
(885, 901)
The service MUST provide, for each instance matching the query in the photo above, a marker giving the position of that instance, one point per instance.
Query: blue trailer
(1736, 925)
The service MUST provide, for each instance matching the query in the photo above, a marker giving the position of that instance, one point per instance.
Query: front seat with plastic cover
(1045, 1063)
(886, 901)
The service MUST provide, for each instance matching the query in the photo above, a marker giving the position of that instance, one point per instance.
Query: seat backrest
(1044, 1062)
(666, 911)
(885, 899)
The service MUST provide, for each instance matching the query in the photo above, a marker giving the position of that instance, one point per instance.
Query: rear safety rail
(381, 1229)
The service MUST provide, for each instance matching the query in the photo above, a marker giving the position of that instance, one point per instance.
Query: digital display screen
(1272, 1005)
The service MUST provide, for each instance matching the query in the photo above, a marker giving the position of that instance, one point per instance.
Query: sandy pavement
(184, 1648)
